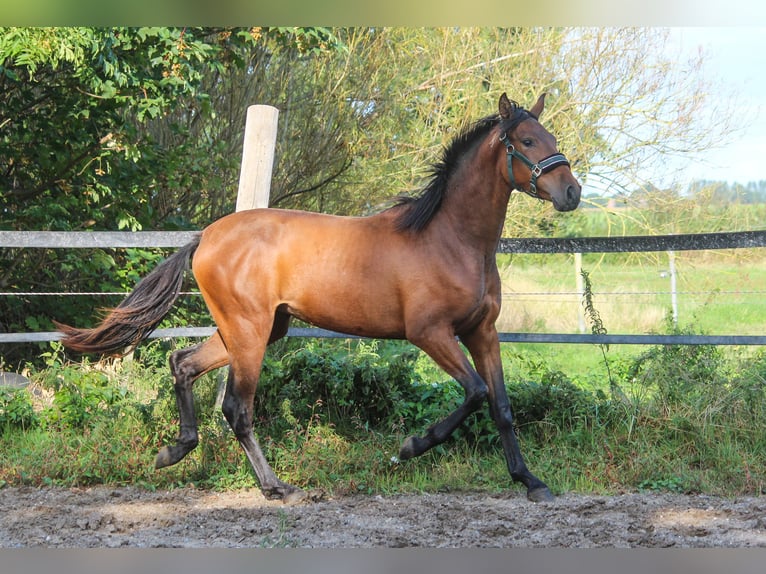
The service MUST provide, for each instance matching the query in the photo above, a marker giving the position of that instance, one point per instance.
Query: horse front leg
(484, 346)
(445, 351)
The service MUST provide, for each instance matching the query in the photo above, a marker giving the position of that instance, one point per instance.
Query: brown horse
(423, 270)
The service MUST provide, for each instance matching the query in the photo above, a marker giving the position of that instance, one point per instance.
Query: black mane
(419, 210)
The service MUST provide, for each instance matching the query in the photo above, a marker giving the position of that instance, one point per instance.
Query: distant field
(719, 293)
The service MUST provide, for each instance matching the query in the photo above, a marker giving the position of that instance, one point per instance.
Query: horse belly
(347, 303)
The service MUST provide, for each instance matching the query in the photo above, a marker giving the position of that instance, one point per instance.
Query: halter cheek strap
(542, 167)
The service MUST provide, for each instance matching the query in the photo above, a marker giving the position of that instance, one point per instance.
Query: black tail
(138, 315)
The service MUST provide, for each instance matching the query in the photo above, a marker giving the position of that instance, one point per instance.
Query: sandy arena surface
(187, 517)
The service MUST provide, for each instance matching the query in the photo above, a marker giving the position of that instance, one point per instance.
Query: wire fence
(668, 243)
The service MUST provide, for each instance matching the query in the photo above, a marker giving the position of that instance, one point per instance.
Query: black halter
(543, 166)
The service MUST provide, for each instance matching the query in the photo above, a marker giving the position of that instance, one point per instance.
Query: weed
(279, 538)
(669, 484)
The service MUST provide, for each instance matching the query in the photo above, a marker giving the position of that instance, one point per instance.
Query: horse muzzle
(567, 196)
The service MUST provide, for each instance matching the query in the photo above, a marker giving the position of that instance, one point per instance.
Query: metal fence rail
(616, 339)
(635, 243)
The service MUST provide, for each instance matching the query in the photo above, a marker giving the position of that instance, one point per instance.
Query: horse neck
(477, 197)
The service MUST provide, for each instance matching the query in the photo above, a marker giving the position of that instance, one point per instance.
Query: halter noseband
(543, 166)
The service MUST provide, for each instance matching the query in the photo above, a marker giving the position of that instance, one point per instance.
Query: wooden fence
(669, 243)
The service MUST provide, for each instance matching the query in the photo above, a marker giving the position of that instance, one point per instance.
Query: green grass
(688, 419)
(720, 293)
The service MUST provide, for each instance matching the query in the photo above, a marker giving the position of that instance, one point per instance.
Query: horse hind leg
(239, 413)
(187, 365)
(238, 409)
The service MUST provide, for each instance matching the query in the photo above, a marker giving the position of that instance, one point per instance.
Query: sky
(735, 60)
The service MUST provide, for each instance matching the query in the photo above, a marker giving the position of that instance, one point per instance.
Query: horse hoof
(163, 458)
(410, 448)
(287, 493)
(540, 494)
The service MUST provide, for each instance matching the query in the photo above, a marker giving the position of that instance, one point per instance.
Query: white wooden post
(673, 286)
(257, 157)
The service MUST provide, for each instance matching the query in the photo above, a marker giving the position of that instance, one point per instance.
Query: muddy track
(132, 517)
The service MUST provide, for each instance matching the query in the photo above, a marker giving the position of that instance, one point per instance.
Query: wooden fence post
(673, 286)
(257, 157)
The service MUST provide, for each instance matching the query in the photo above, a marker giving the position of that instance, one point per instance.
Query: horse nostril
(571, 193)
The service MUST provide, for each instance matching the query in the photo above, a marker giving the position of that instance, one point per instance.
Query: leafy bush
(554, 397)
(16, 409)
(354, 384)
(81, 392)
(428, 403)
(747, 388)
(375, 385)
(678, 374)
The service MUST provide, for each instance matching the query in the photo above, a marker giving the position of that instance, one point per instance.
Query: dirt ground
(136, 518)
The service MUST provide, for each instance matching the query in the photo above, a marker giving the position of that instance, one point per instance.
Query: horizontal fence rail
(94, 239)
(202, 332)
(636, 243)
(167, 239)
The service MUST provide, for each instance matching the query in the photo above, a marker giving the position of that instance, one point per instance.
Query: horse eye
(527, 142)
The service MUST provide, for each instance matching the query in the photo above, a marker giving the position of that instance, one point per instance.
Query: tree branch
(325, 181)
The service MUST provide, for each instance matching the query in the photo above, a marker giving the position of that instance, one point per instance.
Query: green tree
(76, 109)
(80, 114)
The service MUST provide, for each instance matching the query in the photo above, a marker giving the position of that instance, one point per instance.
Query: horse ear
(537, 109)
(506, 107)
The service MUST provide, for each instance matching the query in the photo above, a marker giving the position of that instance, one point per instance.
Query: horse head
(535, 166)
